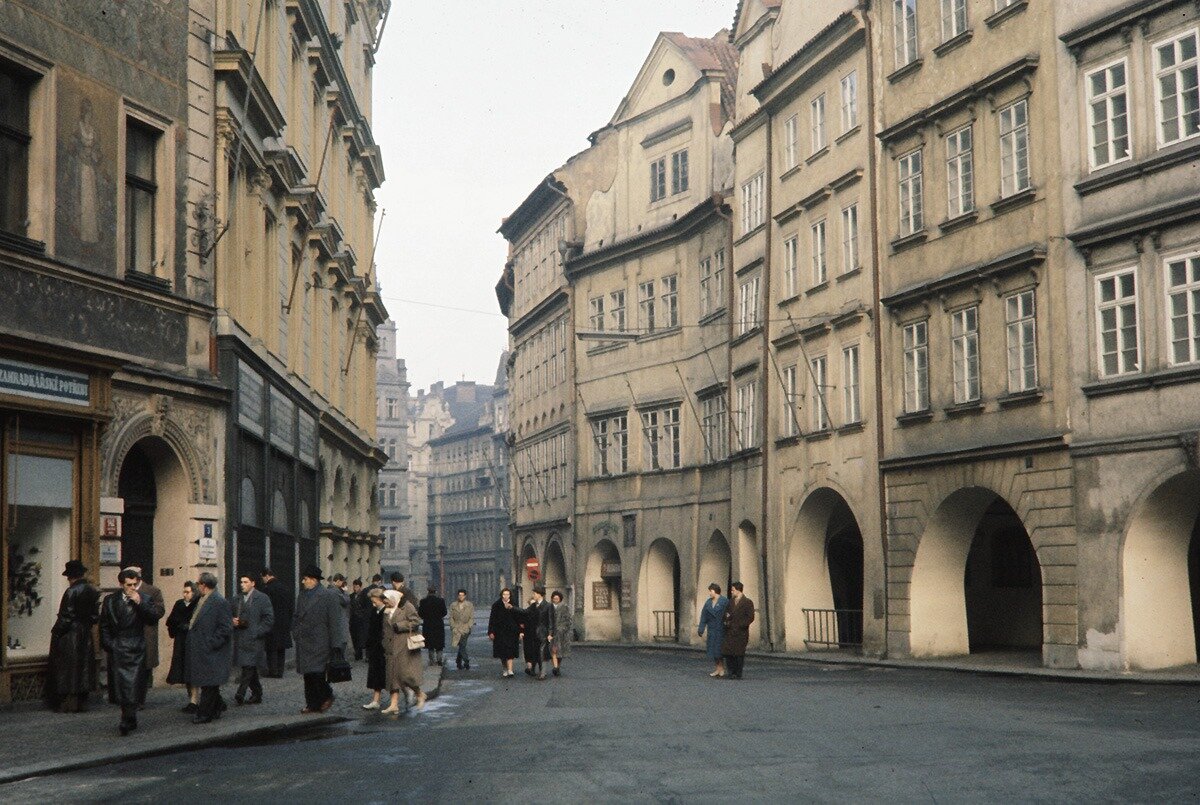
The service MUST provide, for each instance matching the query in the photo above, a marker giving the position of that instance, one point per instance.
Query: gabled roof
(715, 54)
(741, 8)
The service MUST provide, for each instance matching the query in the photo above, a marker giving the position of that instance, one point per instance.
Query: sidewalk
(995, 664)
(36, 741)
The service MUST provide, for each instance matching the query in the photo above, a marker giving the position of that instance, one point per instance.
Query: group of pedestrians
(727, 624)
(542, 631)
(391, 642)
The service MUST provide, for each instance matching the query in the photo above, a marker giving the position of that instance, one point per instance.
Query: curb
(1040, 674)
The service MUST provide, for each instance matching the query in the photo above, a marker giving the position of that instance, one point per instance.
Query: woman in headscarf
(563, 631)
(504, 632)
(177, 628)
(404, 670)
(373, 644)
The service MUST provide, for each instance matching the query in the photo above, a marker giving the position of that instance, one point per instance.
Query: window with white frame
(616, 301)
(646, 306)
(820, 265)
(670, 301)
(715, 420)
(790, 135)
(752, 203)
(679, 171)
(960, 173)
(964, 343)
(1183, 301)
(904, 31)
(850, 256)
(1118, 344)
(954, 18)
(707, 303)
(1014, 148)
(791, 248)
(660, 429)
(747, 415)
(820, 383)
(658, 179)
(596, 313)
(1177, 87)
(748, 305)
(1108, 115)
(790, 401)
(817, 112)
(600, 449)
(610, 438)
(1020, 317)
(851, 386)
(912, 218)
(849, 86)
(141, 190)
(916, 367)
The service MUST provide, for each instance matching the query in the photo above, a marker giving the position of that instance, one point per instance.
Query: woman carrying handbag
(402, 646)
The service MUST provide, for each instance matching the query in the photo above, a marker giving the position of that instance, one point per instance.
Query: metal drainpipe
(768, 177)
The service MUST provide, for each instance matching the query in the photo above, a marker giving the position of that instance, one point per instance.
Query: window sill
(750, 234)
(658, 334)
(788, 300)
(845, 275)
(848, 133)
(906, 70)
(148, 282)
(971, 407)
(953, 43)
(1020, 398)
(900, 244)
(822, 151)
(746, 336)
(788, 441)
(1006, 12)
(709, 318)
(914, 418)
(818, 435)
(1134, 382)
(1118, 172)
(850, 428)
(1020, 199)
(820, 286)
(745, 453)
(790, 172)
(20, 243)
(959, 221)
(600, 349)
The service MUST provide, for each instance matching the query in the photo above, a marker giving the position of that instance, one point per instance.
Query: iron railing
(666, 626)
(834, 628)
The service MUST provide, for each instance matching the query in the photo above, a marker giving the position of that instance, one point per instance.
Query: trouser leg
(463, 652)
(255, 684)
(210, 699)
(129, 714)
(312, 690)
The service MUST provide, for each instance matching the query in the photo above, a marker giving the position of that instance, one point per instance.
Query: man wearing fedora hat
(72, 654)
(320, 632)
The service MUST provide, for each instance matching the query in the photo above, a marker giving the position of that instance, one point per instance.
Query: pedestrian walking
(401, 621)
(177, 629)
(280, 639)
(72, 671)
(338, 585)
(504, 632)
(373, 646)
(738, 617)
(124, 617)
(253, 618)
(539, 625)
(360, 609)
(148, 590)
(712, 623)
(432, 610)
(462, 618)
(564, 627)
(397, 581)
(209, 653)
(320, 633)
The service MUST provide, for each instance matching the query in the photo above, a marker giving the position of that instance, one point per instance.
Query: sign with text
(43, 383)
(110, 525)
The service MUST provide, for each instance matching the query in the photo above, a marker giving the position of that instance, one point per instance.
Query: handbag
(337, 669)
(416, 641)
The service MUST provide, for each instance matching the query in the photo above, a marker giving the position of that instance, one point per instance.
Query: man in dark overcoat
(280, 639)
(148, 590)
(72, 673)
(539, 631)
(319, 630)
(209, 652)
(432, 610)
(124, 617)
(360, 610)
(738, 617)
(253, 617)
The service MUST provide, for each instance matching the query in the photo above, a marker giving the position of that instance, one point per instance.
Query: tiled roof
(712, 54)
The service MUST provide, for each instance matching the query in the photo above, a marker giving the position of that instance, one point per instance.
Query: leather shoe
(254, 700)
(325, 705)
(202, 720)
(238, 699)
(189, 708)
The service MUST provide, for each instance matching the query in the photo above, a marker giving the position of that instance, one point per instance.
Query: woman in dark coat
(177, 628)
(712, 621)
(432, 610)
(504, 632)
(373, 645)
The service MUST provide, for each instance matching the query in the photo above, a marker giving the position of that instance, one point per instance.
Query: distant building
(391, 383)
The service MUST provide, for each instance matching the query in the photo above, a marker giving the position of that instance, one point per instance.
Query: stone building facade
(392, 425)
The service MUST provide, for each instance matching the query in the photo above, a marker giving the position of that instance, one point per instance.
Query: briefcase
(338, 670)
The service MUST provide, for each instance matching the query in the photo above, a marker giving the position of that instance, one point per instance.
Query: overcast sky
(475, 102)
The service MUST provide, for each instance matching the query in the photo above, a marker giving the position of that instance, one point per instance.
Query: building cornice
(1138, 222)
(814, 59)
(550, 304)
(1119, 21)
(1027, 258)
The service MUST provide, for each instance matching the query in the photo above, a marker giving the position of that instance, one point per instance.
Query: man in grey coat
(320, 631)
(209, 652)
(253, 619)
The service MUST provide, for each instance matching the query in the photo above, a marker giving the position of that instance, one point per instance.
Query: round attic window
(668, 78)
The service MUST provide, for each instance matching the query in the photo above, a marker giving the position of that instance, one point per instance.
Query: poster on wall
(601, 595)
(110, 552)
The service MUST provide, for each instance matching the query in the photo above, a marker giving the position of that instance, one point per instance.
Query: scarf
(199, 606)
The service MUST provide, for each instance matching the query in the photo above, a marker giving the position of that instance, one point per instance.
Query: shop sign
(208, 544)
(43, 383)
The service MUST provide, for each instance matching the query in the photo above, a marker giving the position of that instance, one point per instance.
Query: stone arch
(659, 592)
(147, 424)
(602, 592)
(716, 565)
(748, 563)
(555, 568)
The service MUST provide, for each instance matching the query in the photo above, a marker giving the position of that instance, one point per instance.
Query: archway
(716, 565)
(524, 584)
(976, 583)
(1160, 566)
(555, 571)
(602, 593)
(658, 593)
(748, 567)
(823, 588)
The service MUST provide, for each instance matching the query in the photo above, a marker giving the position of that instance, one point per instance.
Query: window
(790, 402)
(851, 386)
(1014, 148)
(661, 431)
(1108, 115)
(712, 283)
(964, 342)
(752, 204)
(747, 425)
(1183, 299)
(1175, 72)
(849, 101)
(15, 138)
(670, 301)
(140, 189)
(954, 18)
(960, 173)
(790, 248)
(596, 313)
(904, 31)
(817, 110)
(916, 367)
(679, 171)
(790, 134)
(646, 306)
(715, 420)
(392, 408)
(850, 238)
(1021, 321)
(911, 213)
(820, 268)
(748, 305)
(820, 382)
(616, 301)
(658, 179)
(1117, 322)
